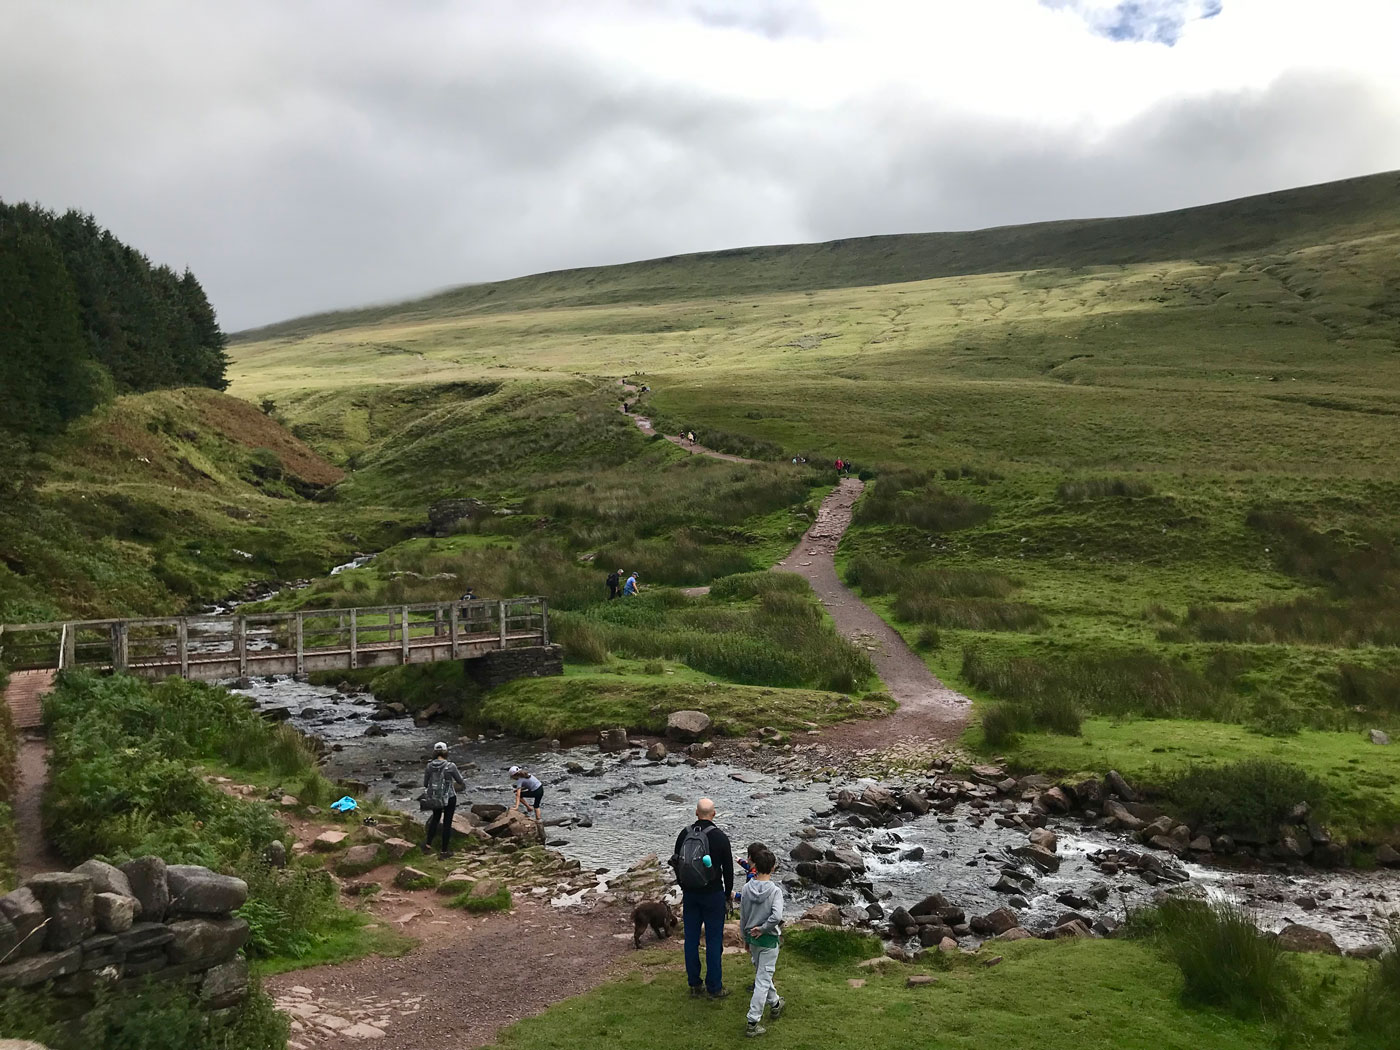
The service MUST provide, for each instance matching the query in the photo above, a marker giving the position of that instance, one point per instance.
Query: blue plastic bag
(344, 805)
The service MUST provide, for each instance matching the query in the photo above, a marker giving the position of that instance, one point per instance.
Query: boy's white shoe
(754, 1029)
(776, 1010)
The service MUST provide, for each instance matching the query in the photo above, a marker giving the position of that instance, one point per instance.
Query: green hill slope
(1244, 227)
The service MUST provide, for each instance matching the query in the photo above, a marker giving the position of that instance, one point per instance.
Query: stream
(620, 807)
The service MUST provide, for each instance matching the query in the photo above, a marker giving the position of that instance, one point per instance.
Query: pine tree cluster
(84, 316)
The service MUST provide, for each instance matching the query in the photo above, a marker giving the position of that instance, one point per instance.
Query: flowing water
(623, 808)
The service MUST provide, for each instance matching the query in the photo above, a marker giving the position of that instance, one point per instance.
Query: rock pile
(99, 925)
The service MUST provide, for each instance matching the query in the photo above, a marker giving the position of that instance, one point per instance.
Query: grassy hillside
(1141, 467)
(158, 500)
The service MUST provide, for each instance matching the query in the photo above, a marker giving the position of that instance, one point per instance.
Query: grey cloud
(300, 163)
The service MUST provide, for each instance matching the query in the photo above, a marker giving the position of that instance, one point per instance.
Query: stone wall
(505, 665)
(101, 925)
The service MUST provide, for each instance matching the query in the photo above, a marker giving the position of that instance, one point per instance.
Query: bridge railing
(232, 646)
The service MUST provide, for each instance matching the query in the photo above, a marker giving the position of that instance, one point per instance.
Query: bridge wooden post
(452, 629)
(121, 640)
(70, 646)
(501, 608)
(301, 643)
(404, 656)
(544, 621)
(182, 645)
(354, 639)
(240, 644)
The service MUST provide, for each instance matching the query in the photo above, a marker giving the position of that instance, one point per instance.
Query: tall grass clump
(972, 614)
(1312, 619)
(1000, 723)
(832, 947)
(1032, 697)
(1250, 797)
(912, 498)
(883, 576)
(285, 906)
(583, 643)
(1084, 490)
(1375, 1012)
(1372, 688)
(1224, 959)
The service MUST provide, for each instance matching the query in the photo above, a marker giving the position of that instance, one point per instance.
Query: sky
(302, 155)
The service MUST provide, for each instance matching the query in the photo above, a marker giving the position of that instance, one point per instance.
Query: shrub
(972, 614)
(582, 642)
(832, 947)
(1225, 961)
(498, 901)
(1252, 797)
(1000, 723)
(754, 584)
(1375, 1012)
(910, 498)
(928, 638)
(1101, 488)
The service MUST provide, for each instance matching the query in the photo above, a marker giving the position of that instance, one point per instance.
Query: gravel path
(468, 979)
(928, 711)
(693, 447)
(33, 849)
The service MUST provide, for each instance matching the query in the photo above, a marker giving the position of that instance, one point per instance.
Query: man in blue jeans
(705, 870)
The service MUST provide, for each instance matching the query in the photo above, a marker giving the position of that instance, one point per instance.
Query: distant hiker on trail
(761, 922)
(626, 407)
(704, 868)
(690, 436)
(440, 783)
(614, 584)
(631, 588)
(840, 466)
(527, 786)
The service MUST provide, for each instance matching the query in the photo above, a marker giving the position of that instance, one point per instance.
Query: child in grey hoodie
(761, 919)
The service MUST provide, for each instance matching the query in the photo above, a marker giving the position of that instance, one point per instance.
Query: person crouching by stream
(704, 868)
(761, 920)
(440, 783)
(529, 792)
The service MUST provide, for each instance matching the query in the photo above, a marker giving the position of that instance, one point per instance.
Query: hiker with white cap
(527, 786)
(440, 783)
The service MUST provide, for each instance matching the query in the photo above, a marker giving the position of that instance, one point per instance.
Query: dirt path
(34, 852)
(928, 711)
(468, 979)
(693, 447)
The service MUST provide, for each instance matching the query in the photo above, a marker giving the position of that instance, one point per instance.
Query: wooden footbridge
(219, 648)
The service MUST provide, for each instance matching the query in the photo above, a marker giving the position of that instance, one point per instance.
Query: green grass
(1087, 994)
(1359, 778)
(346, 936)
(498, 901)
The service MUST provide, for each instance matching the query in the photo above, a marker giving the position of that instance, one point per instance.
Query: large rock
(397, 848)
(902, 922)
(106, 878)
(1041, 858)
(42, 967)
(933, 904)
(114, 912)
(1114, 784)
(485, 889)
(489, 811)
(1387, 856)
(224, 985)
(913, 802)
(805, 851)
(9, 939)
(687, 726)
(848, 857)
(67, 901)
(359, 859)
(825, 872)
(149, 885)
(825, 914)
(200, 943)
(613, 740)
(1379, 737)
(512, 825)
(657, 752)
(998, 921)
(1045, 838)
(198, 891)
(144, 937)
(446, 513)
(26, 915)
(1119, 812)
(329, 841)
(1298, 938)
(1054, 800)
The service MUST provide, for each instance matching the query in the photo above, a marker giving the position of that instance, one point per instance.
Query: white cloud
(308, 155)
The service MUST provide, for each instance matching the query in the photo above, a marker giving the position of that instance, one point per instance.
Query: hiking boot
(445, 855)
(696, 991)
(426, 849)
(776, 1010)
(754, 1029)
(722, 993)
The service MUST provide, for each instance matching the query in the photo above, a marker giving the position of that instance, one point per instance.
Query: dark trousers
(703, 910)
(612, 591)
(445, 816)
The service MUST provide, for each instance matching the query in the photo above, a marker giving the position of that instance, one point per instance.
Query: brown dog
(656, 914)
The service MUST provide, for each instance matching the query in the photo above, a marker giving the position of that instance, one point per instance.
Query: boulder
(998, 921)
(1044, 838)
(1118, 812)
(848, 857)
(358, 859)
(512, 825)
(1379, 737)
(827, 873)
(913, 802)
(657, 752)
(486, 888)
(1043, 859)
(1016, 933)
(1387, 856)
(38, 968)
(106, 878)
(445, 513)
(701, 749)
(114, 912)
(274, 854)
(824, 914)
(67, 901)
(933, 904)
(1008, 884)
(1075, 928)
(397, 848)
(104, 949)
(914, 853)
(933, 934)
(1054, 800)
(22, 910)
(880, 798)
(610, 741)
(144, 936)
(200, 943)
(195, 890)
(1114, 784)
(901, 921)
(805, 851)
(687, 726)
(224, 985)
(329, 841)
(1298, 938)
(1088, 794)
(412, 879)
(489, 811)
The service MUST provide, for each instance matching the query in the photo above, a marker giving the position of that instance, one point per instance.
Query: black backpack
(691, 871)
(614, 579)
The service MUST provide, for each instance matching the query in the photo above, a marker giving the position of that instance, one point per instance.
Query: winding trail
(693, 447)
